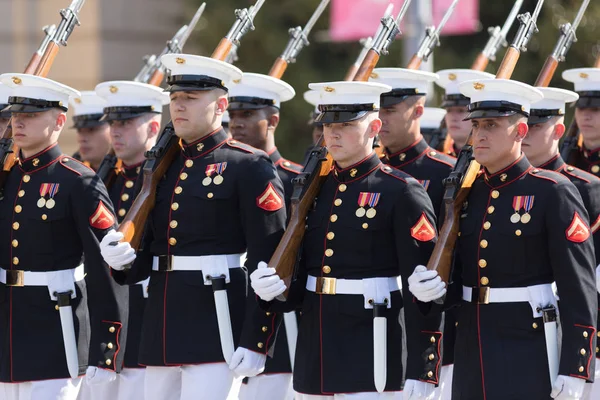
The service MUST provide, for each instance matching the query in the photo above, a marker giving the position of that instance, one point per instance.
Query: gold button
(430, 374)
(431, 357)
(18, 208)
(597, 349)
(16, 260)
(483, 244)
(21, 193)
(110, 345)
(342, 188)
(534, 325)
(122, 212)
(15, 243)
(189, 163)
(365, 225)
(172, 241)
(328, 252)
(210, 195)
(487, 225)
(16, 226)
(26, 178)
(178, 190)
(56, 307)
(330, 236)
(518, 232)
(484, 281)
(581, 369)
(326, 269)
(482, 263)
(44, 217)
(595, 170)
(585, 334)
(173, 224)
(129, 184)
(456, 323)
(183, 176)
(112, 329)
(582, 352)
(268, 314)
(491, 209)
(107, 362)
(333, 218)
(569, 168)
(260, 345)
(432, 153)
(599, 334)
(264, 329)
(337, 202)
(432, 339)
(174, 206)
(495, 194)
(125, 197)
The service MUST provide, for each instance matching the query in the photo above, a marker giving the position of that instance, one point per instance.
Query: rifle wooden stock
(415, 62)
(156, 78)
(278, 68)
(33, 63)
(509, 62)
(222, 49)
(47, 59)
(367, 66)
(545, 76)
(132, 226)
(480, 63)
(351, 72)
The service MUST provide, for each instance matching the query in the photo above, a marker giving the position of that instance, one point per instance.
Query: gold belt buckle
(325, 285)
(484, 295)
(15, 277)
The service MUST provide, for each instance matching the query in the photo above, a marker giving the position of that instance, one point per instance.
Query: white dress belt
(348, 286)
(505, 295)
(199, 263)
(36, 278)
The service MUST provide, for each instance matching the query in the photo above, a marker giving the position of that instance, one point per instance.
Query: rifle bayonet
(432, 35)
(527, 28)
(568, 34)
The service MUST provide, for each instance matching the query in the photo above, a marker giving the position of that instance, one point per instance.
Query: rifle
(156, 73)
(459, 182)
(365, 46)
(431, 39)
(298, 39)
(307, 184)
(497, 39)
(70, 18)
(49, 31)
(244, 22)
(161, 156)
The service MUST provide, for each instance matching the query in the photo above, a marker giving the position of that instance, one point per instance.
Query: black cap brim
(539, 119)
(588, 102)
(26, 108)
(87, 124)
(336, 117)
(477, 114)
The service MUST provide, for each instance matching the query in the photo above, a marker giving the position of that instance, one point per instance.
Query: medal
(373, 200)
(528, 205)
(50, 204)
(360, 212)
(220, 169)
(44, 189)
(206, 181)
(41, 202)
(371, 213)
(363, 197)
(517, 205)
(525, 218)
(210, 169)
(218, 180)
(515, 218)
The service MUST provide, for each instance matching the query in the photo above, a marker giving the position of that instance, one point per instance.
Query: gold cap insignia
(452, 76)
(478, 86)
(180, 60)
(329, 89)
(235, 81)
(374, 75)
(16, 80)
(77, 100)
(583, 75)
(113, 89)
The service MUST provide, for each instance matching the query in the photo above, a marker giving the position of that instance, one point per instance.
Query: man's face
(94, 143)
(349, 142)
(540, 140)
(588, 121)
(130, 136)
(249, 126)
(36, 131)
(397, 120)
(194, 113)
(458, 129)
(495, 140)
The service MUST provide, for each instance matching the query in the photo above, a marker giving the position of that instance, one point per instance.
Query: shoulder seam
(78, 162)
(389, 173)
(243, 147)
(537, 175)
(439, 160)
(571, 173)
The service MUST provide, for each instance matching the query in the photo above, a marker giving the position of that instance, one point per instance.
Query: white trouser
(131, 384)
(51, 389)
(592, 390)
(190, 382)
(352, 396)
(269, 386)
(444, 389)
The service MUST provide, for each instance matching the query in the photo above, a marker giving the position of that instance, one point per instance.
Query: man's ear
(61, 120)
(419, 110)
(522, 129)
(375, 127)
(273, 121)
(222, 104)
(559, 131)
(153, 128)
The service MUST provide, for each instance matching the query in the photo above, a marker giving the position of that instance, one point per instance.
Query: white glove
(248, 363)
(426, 285)
(417, 390)
(598, 278)
(97, 376)
(119, 255)
(567, 388)
(266, 283)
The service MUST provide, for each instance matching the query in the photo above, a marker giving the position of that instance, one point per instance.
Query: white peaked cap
(132, 94)
(432, 117)
(262, 87)
(5, 93)
(585, 79)
(87, 103)
(348, 92)
(36, 87)
(188, 64)
(313, 97)
(402, 78)
(450, 79)
(501, 90)
(554, 99)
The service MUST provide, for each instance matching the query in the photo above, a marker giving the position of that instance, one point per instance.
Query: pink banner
(356, 19)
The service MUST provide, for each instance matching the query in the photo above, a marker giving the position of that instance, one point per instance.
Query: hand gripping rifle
(161, 156)
(70, 18)
(49, 31)
(460, 181)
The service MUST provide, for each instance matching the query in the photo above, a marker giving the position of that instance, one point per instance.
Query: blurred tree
(327, 61)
